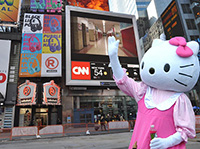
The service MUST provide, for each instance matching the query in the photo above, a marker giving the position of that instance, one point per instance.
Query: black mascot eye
(142, 65)
(166, 67)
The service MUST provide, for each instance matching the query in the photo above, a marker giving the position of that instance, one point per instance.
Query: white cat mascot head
(171, 65)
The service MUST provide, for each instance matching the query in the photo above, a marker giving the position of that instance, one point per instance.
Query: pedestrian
(103, 122)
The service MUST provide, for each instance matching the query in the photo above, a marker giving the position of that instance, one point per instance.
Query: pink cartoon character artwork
(167, 70)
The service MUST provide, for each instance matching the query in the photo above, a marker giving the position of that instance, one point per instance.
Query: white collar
(162, 106)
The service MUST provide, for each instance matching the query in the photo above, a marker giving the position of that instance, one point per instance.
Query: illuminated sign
(4, 64)
(27, 93)
(9, 10)
(171, 21)
(51, 95)
(80, 70)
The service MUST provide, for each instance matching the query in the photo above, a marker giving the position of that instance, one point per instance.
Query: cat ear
(194, 46)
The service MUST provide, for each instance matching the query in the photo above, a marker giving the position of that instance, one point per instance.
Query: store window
(194, 37)
(114, 108)
(25, 116)
(190, 24)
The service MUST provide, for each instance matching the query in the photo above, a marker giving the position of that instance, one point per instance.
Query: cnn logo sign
(80, 70)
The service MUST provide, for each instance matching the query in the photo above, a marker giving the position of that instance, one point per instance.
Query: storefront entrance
(41, 116)
(38, 116)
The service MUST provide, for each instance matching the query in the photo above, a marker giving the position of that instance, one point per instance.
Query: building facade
(25, 103)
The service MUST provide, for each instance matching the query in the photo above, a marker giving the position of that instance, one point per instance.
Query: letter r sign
(2, 77)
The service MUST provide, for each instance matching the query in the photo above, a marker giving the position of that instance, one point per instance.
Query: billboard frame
(69, 9)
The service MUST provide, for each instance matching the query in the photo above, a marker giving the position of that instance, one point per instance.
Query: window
(194, 37)
(190, 23)
(186, 8)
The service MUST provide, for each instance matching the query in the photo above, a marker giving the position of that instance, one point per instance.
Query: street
(104, 141)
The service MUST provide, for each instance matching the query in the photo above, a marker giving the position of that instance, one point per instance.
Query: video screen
(92, 4)
(87, 32)
(89, 36)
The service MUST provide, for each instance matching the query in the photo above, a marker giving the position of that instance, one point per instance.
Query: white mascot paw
(112, 46)
(158, 143)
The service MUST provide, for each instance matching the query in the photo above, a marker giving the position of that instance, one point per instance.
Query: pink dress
(168, 111)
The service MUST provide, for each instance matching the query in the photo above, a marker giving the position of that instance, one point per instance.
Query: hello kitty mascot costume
(168, 69)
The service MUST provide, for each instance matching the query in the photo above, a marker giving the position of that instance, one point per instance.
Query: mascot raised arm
(167, 70)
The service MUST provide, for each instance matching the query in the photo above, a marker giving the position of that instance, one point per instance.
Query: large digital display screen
(87, 60)
(92, 4)
(171, 21)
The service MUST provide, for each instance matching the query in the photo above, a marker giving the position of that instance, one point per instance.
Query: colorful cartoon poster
(39, 5)
(30, 65)
(51, 65)
(52, 24)
(9, 10)
(51, 43)
(4, 64)
(33, 23)
(49, 5)
(31, 43)
(54, 5)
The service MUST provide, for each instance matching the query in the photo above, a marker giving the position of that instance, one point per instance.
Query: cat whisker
(183, 74)
(186, 65)
(180, 82)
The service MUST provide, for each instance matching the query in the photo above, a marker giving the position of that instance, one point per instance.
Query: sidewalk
(96, 141)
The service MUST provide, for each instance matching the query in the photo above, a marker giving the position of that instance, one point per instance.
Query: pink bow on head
(182, 50)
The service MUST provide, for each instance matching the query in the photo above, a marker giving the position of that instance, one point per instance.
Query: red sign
(80, 70)
(2, 77)
(27, 90)
(52, 62)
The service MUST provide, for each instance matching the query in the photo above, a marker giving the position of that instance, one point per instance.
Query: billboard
(171, 21)
(41, 46)
(4, 64)
(9, 10)
(87, 61)
(49, 5)
(92, 4)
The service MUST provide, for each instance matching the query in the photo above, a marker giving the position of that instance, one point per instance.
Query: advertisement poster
(4, 64)
(49, 5)
(52, 24)
(30, 65)
(39, 5)
(51, 43)
(31, 43)
(51, 65)
(9, 10)
(33, 23)
(41, 46)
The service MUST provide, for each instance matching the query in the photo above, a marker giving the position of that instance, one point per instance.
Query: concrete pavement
(105, 141)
